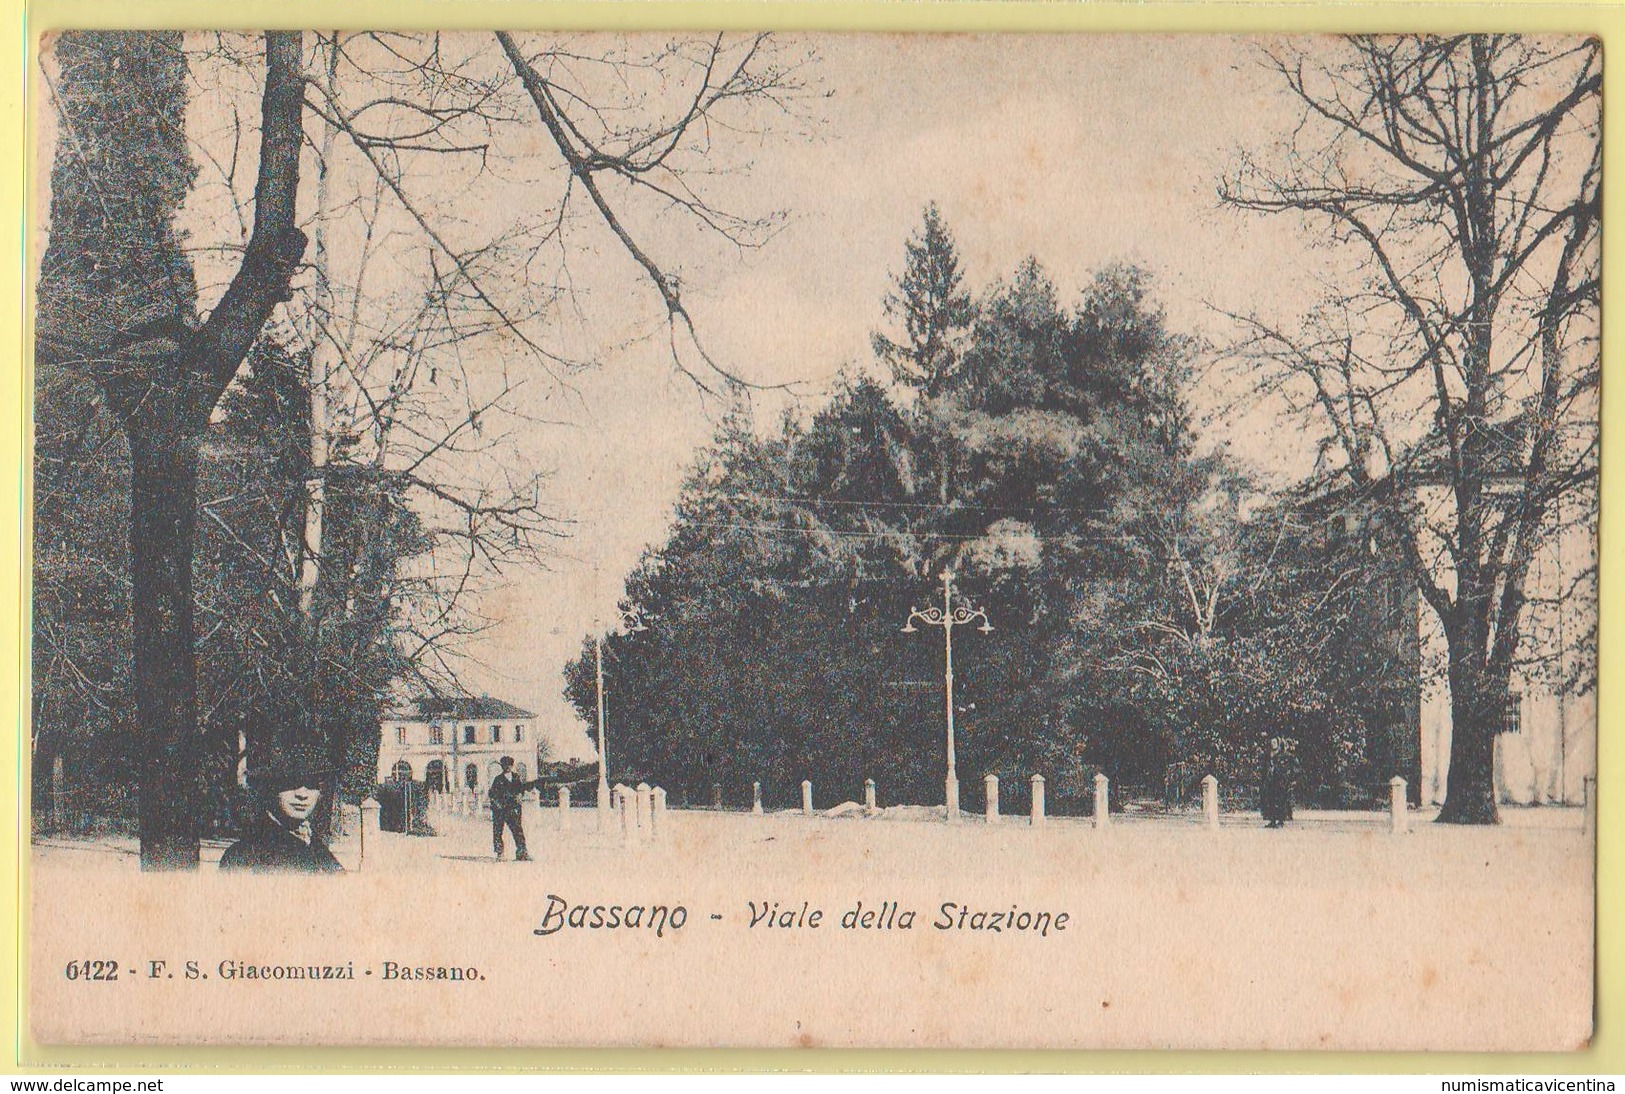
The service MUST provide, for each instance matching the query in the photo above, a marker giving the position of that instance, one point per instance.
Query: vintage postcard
(855, 540)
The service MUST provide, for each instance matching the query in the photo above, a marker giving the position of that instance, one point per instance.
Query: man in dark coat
(505, 791)
(279, 839)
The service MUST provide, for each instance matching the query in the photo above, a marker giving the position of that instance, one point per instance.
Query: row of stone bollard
(871, 805)
(641, 812)
(1398, 807)
(454, 803)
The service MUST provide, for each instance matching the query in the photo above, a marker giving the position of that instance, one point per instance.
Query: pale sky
(1080, 149)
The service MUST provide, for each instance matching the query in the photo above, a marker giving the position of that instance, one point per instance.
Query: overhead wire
(896, 533)
(931, 505)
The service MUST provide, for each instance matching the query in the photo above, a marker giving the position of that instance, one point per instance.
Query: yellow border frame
(1606, 1056)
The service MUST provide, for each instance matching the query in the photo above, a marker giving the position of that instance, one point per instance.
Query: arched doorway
(401, 772)
(434, 776)
(471, 776)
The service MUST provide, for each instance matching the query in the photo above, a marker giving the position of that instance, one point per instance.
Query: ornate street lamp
(631, 622)
(948, 617)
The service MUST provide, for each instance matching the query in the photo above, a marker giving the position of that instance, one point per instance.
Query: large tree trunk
(1475, 719)
(163, 525)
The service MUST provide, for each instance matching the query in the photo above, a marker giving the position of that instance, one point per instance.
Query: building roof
(456, 708)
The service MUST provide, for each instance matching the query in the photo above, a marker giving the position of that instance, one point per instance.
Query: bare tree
(1453, 373)
(416, 389)
(430, 385)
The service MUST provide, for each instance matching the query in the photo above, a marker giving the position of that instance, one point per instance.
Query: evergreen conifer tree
(934, 308)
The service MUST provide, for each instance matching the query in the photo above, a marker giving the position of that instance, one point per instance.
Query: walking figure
(505, 791)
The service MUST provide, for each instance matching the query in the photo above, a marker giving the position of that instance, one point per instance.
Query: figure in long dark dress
(1275, 802)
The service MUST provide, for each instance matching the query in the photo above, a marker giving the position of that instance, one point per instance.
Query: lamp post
(632, 622)
(948, 617)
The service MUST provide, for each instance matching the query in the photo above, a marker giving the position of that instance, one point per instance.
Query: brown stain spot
(1430, 976)
(981, 194)
(805, 1040)
(1546, 97)
(1105, 1004)
(973, 973)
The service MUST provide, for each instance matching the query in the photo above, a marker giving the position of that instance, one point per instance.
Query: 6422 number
(91, 970)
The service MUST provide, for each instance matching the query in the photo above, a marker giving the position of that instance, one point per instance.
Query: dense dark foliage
(257, 656)
(1045, 457)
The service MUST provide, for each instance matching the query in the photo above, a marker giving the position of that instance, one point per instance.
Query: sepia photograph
(701, 539)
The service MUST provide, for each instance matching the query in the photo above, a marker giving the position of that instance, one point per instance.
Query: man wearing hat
(505, 791)
(280, 839)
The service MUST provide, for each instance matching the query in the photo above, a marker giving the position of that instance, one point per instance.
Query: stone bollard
(756, 798)
(869, 795)
(657, 813)
(951, 798)
(623, 807)
(1588, 823)
(806, 797)
(716, 795)
(1210, 801)
(369, 828)
(1103, 800)
(1038, 801)
(990, 785)
(645, 805)
(1396, 805)
(564, 808)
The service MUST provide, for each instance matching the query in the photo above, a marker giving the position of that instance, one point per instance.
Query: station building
(454, 745)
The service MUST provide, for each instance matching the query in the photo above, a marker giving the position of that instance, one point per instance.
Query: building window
(519, 734)
(496, 735)
(400, 735)
(1512, 713)
(401, 773)
(437, 735)
(468, 735)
